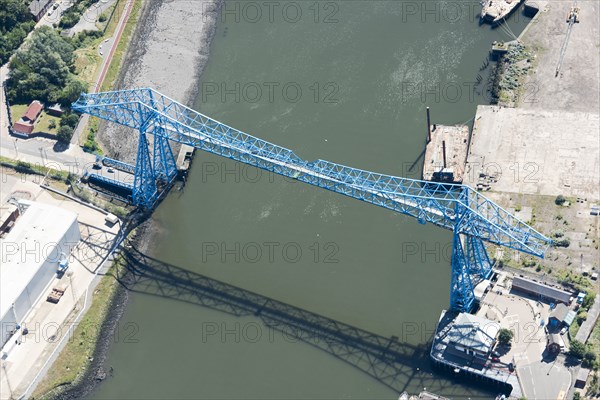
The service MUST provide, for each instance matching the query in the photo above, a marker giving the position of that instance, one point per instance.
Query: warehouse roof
(541, 289)
(25, 248)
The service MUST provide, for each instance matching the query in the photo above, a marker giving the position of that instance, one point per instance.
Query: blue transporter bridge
(472, 217)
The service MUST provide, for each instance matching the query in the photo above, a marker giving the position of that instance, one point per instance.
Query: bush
(528, 262)
(560, 200)
(505, 336)
(64, 134)
(85, 38)
(582, 316)
(24, 167)
(589, 359)
(71, 178)
(577, 349)
(588, 300)
(52, 124)
(562, 243)
(103, 17)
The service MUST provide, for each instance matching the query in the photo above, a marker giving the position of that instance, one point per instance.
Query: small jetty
(457, 352)
(184, 157)
(445, 153)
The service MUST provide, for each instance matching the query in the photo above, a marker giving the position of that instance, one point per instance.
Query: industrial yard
(42, 230)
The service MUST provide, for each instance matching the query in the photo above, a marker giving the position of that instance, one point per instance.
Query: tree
(560, 200)
(15, 23)
(577, 349)
(41, 68)
(588, 300)
(72, 91)
(69, 119)
(589, 359)
(505, 336)
(64, 134)
(52, 124)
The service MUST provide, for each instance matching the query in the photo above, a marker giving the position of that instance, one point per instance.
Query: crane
(473, 218)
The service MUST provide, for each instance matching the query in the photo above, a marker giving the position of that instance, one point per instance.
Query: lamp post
(70, 275)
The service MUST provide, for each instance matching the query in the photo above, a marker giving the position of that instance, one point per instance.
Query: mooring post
(444, 152)
(428, 126)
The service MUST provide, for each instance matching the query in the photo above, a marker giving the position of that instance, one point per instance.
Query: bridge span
(473, 218)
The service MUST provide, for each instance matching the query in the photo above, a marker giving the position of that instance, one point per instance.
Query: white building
(41, 237)
(473, 336)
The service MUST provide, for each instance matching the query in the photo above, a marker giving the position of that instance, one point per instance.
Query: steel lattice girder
(461, 283)
(145, 192)
(427, 201)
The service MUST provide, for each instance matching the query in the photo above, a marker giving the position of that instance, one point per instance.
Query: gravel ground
(577, 87)
(168, 52)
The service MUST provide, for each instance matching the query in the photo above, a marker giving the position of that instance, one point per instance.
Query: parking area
(541, 376)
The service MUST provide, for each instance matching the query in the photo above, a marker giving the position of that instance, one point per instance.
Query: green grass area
(43, 124)
(35, 169)
(121, 50)
(112, 24)
(87, 62)
(75, 356)
(17, 111)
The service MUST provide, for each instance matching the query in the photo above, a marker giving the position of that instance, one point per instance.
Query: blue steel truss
(469, 214)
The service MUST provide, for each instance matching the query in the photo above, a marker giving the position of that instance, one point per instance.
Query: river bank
(168, 34)
(168, 52)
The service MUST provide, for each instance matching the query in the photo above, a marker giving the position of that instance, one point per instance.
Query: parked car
(564, 330)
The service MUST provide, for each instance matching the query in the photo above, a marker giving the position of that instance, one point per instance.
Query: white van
(111, 219)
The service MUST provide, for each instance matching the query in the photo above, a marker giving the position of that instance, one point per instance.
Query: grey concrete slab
(535, 152)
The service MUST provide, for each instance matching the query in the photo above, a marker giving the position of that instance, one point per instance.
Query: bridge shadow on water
(397, 365)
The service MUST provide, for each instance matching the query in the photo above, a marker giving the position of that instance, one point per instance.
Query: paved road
(90, 16)
(42, 152)
(547, 380)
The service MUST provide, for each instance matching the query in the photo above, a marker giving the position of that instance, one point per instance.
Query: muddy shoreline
(168, 52)
(153, 51)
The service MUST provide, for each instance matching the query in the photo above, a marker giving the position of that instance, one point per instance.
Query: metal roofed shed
(30, 255)
(539, 290)
(569, 318)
